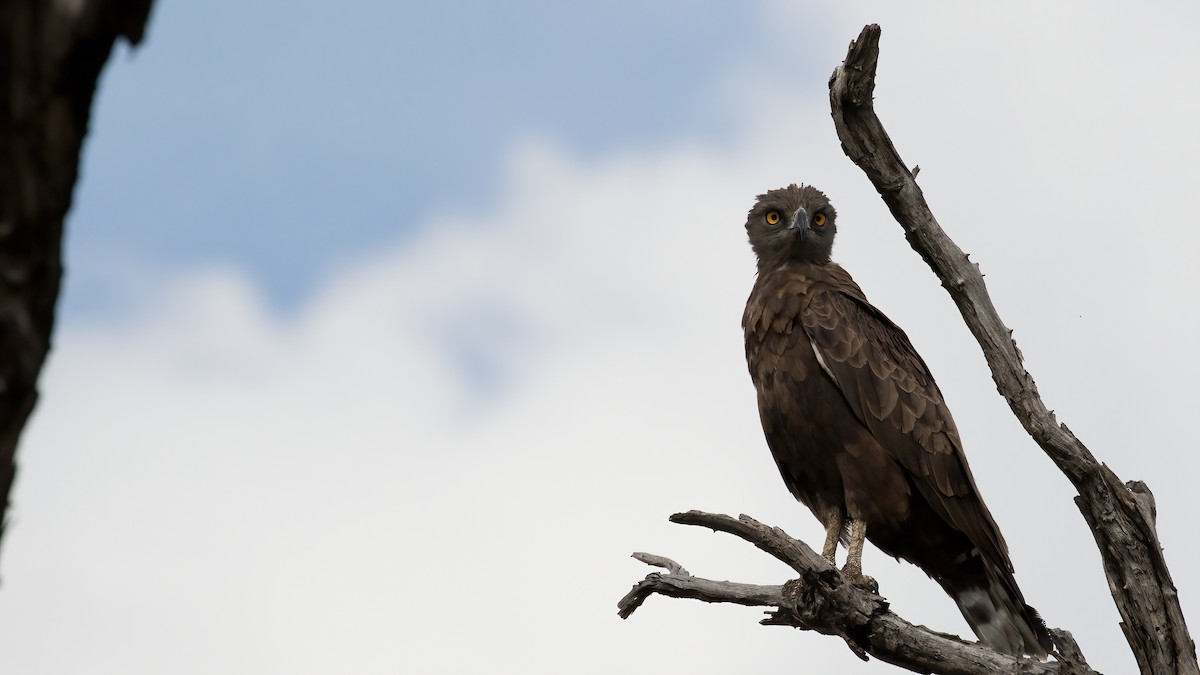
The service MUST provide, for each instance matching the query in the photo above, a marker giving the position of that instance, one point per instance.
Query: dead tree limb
(821, 600)
(50, 59)
(1121, 515)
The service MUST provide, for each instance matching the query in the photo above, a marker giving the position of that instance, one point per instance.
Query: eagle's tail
(993, 606)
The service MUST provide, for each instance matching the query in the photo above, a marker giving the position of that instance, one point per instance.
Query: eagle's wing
(891, 391)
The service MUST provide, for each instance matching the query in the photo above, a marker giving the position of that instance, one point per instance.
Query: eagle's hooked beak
(799, 222)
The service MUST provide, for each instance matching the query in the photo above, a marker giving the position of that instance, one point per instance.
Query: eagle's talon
(866, 583)
(855, 577)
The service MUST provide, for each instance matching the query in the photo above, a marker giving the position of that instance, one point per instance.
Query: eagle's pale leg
(853, 569)
(833, 532)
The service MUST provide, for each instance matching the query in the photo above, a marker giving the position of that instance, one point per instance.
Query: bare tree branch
(791, 552)
(1121, 516)
(687, 586)
(671, 566)
(51, 54)
(821, 600)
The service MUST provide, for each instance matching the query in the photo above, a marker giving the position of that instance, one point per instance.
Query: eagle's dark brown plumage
(858, 428)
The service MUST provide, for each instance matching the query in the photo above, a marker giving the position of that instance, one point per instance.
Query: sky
(390, 331)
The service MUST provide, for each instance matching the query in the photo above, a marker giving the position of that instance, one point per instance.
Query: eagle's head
(792, 224)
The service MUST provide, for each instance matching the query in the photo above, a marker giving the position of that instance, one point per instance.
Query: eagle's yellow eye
(819, 219)
(772, 217)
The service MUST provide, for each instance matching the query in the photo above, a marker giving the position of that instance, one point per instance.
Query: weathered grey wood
(791, 552)
(51, 55)
(1121, 516)
(669, 565)
(687, 586)
(821, 600)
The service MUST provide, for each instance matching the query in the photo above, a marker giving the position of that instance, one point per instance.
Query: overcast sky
(389, 330)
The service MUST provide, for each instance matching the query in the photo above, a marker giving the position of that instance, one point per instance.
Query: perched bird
(859, 430)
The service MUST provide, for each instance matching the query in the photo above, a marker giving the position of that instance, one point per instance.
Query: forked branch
(1120, 515)
(821, 600)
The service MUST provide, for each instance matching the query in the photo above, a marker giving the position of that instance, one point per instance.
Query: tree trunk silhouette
(50, 61)
(1120, 515)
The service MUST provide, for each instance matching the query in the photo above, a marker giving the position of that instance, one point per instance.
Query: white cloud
(209, 487)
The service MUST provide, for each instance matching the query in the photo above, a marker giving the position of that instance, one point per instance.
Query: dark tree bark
(821, 600)
(1120, 515)
(51, 55)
